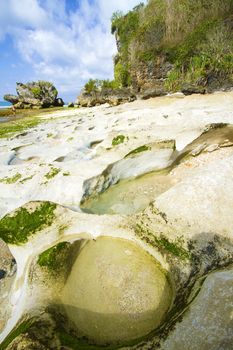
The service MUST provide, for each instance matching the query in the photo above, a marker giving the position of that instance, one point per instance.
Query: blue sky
(64, 41)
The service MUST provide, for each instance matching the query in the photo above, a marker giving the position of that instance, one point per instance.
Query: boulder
(189, 89)
(208, 323)
(151, 92)
(112, 96)
(70, 104)
(39, 94)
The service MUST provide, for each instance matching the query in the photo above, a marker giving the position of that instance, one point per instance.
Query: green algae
(118, 140)
(26, 179)
(17, 331)
(52, 173)
(174, 248)
(26, 119)
(53, 258)
(10, 128)
(139, 150)
(11, 180)
(17, 228)
(74, 343)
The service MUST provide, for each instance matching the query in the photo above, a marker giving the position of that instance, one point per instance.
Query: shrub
(91, 86)
(97, 84)
(36, 91)
(122, 75)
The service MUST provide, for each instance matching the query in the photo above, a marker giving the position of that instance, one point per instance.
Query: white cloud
(64, 47)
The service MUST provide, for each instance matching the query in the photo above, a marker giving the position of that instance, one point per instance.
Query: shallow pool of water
(116, 292)
(129, 196)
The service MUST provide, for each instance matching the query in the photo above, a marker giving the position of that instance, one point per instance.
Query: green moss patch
(17, 331)
(7, 129)
(174, 248)
(70, 341)
(29, 120)
(17, 228)
(26, 179)
(52, 173)
(118, 140)
(66, 173)
(11, 180)
(140, 149)
(53, 258)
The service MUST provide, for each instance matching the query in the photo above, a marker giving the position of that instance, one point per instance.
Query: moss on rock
(174, 248)
(11, 180)
(16, 228)
(139, 150)
(53, 258)
(118, 140)
(52, 173)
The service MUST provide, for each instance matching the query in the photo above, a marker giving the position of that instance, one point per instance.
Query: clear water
(129, 196)
(116, 292)
(134, 195)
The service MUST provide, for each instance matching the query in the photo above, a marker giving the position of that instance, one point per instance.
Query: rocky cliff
(175, 46)
(171, 45)
(39, 94)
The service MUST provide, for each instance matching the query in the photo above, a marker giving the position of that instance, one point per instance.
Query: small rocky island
(41, 94)
(116, 219)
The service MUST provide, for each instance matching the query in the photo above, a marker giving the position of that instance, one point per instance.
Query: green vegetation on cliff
(94, 85)
(193, 38)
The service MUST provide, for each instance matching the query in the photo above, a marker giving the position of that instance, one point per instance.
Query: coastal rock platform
(116, 227)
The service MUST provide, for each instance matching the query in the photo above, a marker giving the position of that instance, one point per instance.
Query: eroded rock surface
(170, 159)
(208, 323)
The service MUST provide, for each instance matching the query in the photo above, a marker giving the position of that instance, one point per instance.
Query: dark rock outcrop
(58, 102)
(151, 92)
(189, 89)
(39, 94)
(148, 75)
(112, 96)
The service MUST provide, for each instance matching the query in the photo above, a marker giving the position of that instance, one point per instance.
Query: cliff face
(173, 45)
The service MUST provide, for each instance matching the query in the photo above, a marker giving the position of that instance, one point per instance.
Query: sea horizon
(4, 104)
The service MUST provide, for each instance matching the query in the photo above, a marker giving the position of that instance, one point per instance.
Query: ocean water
(5, 104)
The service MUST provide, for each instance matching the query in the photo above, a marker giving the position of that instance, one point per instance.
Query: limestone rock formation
(112, 96)
(39, 94)
(122, 234)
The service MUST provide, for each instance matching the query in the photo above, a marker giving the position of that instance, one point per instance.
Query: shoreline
(6, 113)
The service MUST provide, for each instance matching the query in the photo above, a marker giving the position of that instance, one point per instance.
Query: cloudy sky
(63, 41)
